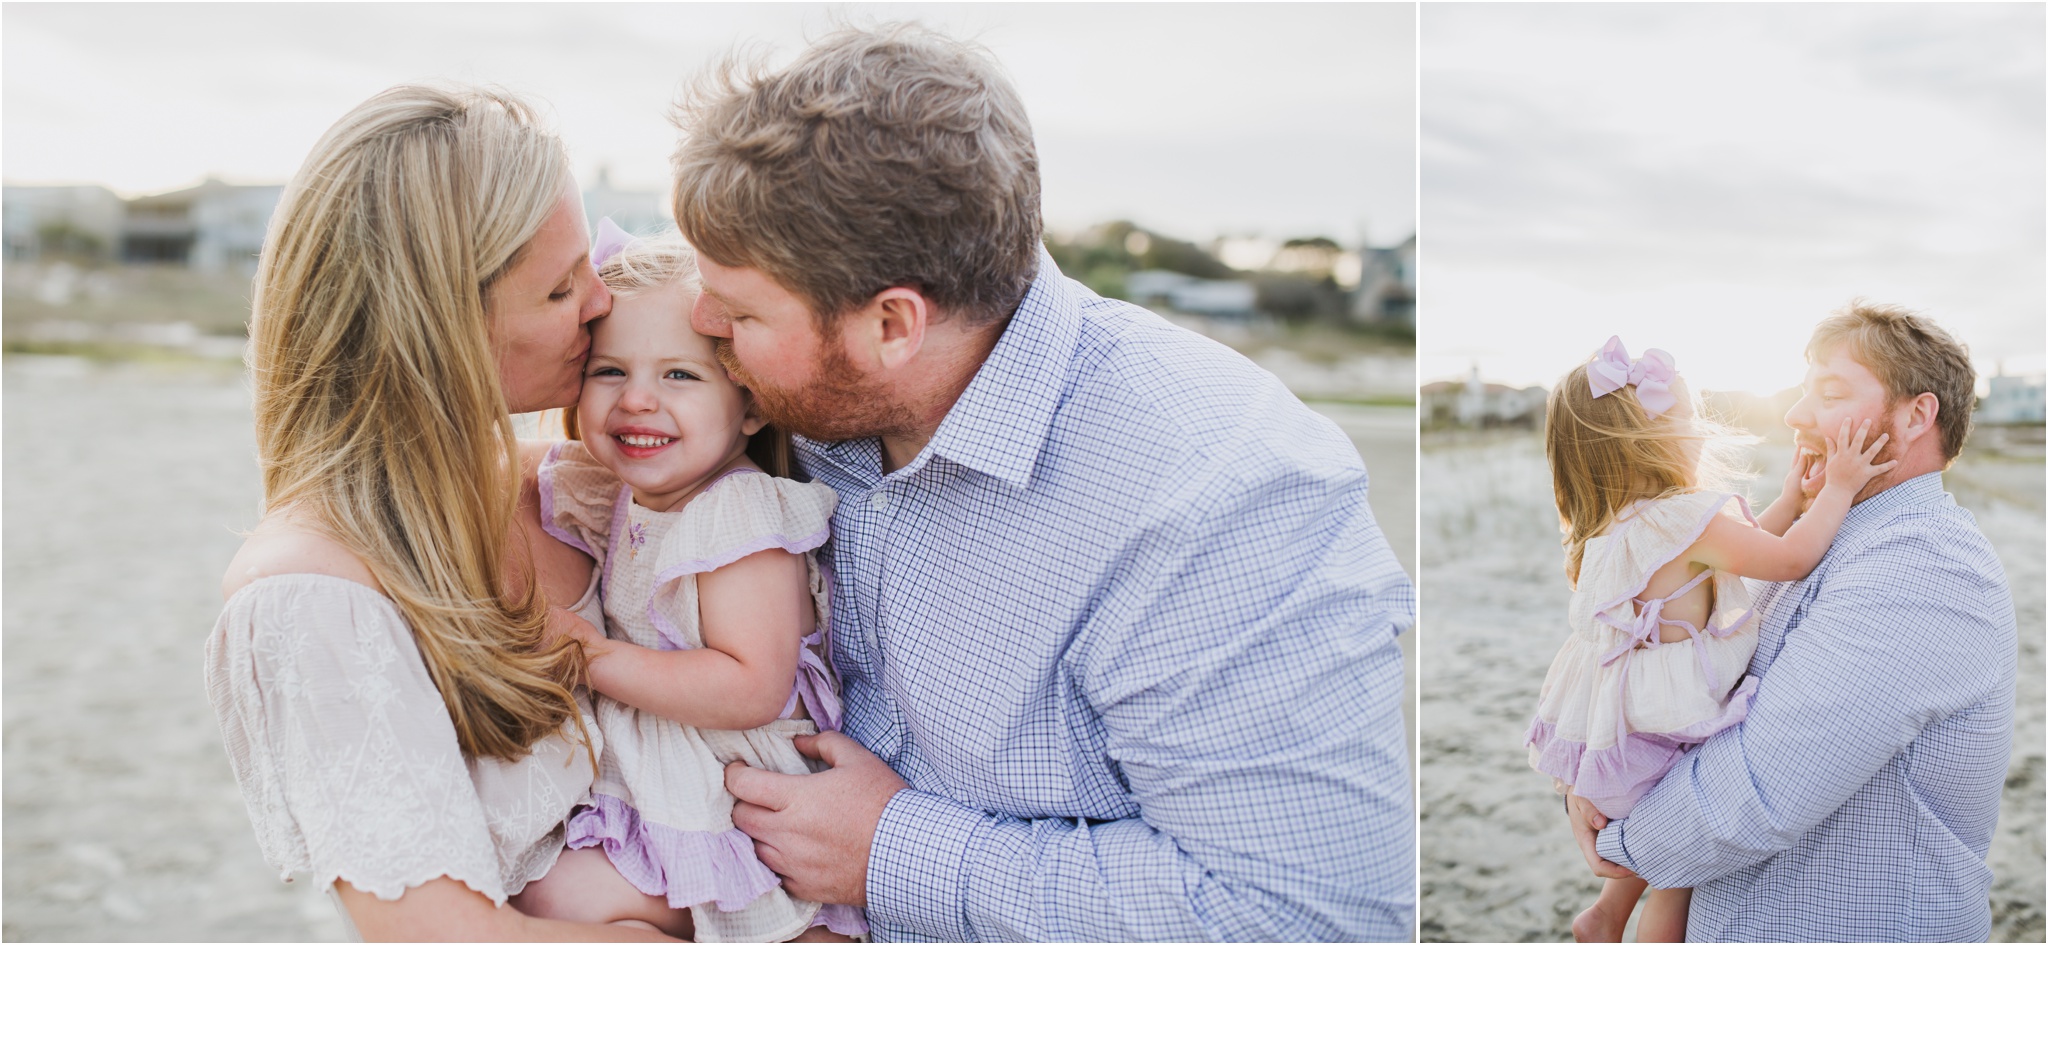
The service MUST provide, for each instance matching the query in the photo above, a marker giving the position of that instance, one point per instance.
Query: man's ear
(900, 316)
(1919, 415)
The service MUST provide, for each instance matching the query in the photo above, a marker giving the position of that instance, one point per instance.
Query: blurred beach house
(1478, 403)
(1248, 280)
(213, 226)
(2013, 400)
(2011, 415)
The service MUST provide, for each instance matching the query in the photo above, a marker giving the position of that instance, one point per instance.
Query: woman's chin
(563, 398)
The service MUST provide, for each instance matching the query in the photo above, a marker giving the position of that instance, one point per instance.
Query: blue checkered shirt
(1858, 799)
(1126, 625)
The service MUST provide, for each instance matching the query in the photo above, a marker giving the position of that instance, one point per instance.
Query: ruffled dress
(659, 805)
(1618, 706)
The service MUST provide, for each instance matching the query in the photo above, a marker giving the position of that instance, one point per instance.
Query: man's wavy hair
(1910, 355)
(880, 158)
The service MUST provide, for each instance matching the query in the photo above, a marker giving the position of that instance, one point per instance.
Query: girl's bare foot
(1605, 921)
(1597, 924)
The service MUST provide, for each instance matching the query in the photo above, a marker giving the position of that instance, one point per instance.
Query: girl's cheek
(589, 408)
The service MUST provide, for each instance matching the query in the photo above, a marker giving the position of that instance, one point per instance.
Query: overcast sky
(1197, 120)
(1712, 179)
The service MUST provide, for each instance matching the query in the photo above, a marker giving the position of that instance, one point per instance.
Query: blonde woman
(404, 727)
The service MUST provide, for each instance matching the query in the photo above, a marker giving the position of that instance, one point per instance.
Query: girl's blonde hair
(666, 262)
(1607, 453)
(379, 412)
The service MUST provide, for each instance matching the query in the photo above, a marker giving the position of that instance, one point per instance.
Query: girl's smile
(640, 442)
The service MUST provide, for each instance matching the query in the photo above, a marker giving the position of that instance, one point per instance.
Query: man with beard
(1114, 623)
(1857, 800)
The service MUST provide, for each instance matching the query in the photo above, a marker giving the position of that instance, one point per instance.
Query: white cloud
(1722, 175)
(1294, 119)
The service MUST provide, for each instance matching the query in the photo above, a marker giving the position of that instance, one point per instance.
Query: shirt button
(879, 500)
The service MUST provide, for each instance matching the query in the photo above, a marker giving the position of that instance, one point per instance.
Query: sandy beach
(1498, 861)
(122, 821)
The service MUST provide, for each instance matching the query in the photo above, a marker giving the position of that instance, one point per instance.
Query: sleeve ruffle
(341, 744)
(578, 498)
(739, 515)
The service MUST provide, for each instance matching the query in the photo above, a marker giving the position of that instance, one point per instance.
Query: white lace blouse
(347, 758)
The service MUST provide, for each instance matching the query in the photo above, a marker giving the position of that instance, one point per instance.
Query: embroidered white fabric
(348, 761)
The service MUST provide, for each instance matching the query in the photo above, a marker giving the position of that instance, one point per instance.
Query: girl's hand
(563, 624)
(1794, 487)
(1849, 464)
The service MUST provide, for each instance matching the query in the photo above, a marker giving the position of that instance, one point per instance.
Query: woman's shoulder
(283, 545)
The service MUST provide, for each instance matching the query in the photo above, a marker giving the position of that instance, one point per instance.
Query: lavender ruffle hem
(1614, 779)
(844, 919)
(686, 867)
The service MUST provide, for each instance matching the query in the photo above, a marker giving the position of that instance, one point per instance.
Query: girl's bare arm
(755, 612)
(1784, 511)
(1753, 552)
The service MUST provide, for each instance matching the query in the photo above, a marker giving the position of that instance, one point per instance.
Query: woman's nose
(599, 304)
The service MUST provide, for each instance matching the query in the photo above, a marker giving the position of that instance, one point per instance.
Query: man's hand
(1586, 824)
(815, 830)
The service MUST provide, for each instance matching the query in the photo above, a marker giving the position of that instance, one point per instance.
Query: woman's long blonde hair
(1607, 453)
(379, 414)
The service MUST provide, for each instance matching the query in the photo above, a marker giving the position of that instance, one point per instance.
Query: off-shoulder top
(347, 759)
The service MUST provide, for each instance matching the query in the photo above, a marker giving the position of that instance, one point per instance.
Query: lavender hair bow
(609, 241)
(1652, 375)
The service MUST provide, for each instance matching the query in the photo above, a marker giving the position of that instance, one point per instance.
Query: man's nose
(709, 318)
(1800, 417)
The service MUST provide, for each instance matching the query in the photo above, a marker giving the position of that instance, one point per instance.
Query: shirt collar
(1001, 421)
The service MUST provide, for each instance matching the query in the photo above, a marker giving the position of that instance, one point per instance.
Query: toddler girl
(1661, 623)
(715, 613)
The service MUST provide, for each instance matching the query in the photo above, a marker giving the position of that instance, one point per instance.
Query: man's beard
(837, 403)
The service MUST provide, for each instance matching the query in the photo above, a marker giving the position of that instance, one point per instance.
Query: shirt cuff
(916, 866)
(1611, 847)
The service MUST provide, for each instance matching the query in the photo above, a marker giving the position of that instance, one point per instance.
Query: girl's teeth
(645, 440)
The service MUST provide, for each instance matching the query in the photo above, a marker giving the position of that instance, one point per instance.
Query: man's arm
(1901, 635)
(1245, 666)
